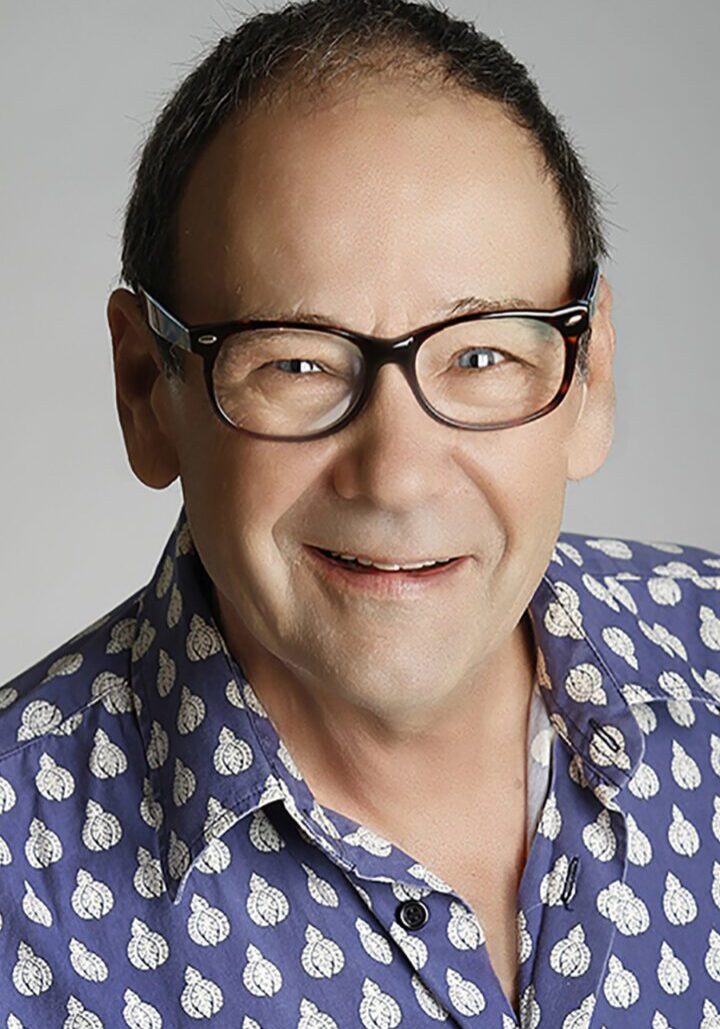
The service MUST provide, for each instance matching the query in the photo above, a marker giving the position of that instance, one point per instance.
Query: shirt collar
(213, 754)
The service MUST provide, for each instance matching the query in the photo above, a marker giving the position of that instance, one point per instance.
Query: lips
(367, 567)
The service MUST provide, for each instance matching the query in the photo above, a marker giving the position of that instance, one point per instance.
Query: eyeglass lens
(290, 382)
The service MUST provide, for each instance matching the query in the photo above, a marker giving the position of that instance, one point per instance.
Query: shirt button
(412, 914)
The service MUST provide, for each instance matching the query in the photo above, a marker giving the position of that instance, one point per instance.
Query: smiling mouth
(367, 568)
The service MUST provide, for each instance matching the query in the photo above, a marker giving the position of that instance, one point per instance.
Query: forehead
(380, 195)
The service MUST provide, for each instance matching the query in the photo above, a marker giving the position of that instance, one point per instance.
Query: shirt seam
(643, 577)
(54, 732)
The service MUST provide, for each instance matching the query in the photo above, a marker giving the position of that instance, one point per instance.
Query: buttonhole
(570, 879)
(613, 743)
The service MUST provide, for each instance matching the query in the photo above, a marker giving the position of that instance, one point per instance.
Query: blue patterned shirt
(164, 864)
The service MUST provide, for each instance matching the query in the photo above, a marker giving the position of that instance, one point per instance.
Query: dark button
(412, 914)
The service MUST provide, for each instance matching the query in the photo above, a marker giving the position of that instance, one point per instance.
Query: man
(378, 744)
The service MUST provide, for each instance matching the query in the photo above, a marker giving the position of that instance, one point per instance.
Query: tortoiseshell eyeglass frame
(572, 320)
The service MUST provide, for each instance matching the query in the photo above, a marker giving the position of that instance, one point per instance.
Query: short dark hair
(310, 46)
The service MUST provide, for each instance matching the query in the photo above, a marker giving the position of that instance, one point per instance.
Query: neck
(370, 766)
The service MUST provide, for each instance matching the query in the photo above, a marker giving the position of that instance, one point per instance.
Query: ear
(592, 433)
(142, 393)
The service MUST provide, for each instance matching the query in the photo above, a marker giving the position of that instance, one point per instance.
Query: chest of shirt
(271, 926)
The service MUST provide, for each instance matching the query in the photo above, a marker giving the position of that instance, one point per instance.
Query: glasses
(295, 380)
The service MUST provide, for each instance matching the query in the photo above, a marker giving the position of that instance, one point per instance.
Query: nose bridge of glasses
(379, 351)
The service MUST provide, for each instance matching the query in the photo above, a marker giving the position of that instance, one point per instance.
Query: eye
(296, 365)
(486, 357)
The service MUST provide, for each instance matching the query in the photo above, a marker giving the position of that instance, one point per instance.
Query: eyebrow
(481, 304)
(465, 305)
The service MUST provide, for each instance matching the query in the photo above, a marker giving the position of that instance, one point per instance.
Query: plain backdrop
(637, 88)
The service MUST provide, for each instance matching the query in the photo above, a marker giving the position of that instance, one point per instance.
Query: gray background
(637, 87)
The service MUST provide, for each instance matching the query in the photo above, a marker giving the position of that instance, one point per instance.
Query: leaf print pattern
(31, 974)
(266, 905)
(43, 846)
(163, 861)
(78, 1014)
(232, 754)
(106, 759)
(207, 926)
(8, 797)
(90, 898)
(146, 949)
(38, 718)
(102, 829)
(87, 964)
(201, 998)
(191, 711)
(148, 878)
(53, 781)
(138, 1015)
(34, 908)
(260, 976)
(571, 955)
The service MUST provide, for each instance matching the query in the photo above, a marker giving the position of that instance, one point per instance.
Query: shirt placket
(443, 942)
(567, 938)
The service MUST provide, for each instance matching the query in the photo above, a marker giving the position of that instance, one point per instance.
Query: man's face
(379, 211)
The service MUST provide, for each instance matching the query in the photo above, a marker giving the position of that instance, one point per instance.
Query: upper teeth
(388, 567)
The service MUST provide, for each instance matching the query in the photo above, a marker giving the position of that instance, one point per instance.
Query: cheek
(267, 485)
(240, 492)
(523, 474)
(542, 447)
(538, 469)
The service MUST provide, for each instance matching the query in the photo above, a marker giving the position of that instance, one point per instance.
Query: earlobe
(593, 434)
(144, 418)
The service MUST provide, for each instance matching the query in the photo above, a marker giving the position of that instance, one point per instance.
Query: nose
(393, 454)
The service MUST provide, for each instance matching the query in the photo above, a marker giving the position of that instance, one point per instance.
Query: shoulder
(51, 695)
(650, 560)
(656, 606)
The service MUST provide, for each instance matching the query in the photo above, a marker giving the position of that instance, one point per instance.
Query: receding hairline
(311, 46)
(349, 67)
(298, 85)
(300, 98)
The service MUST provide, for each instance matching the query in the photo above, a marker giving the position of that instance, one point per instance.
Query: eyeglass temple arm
(164, 324)
(593, 291)
(176, 334)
